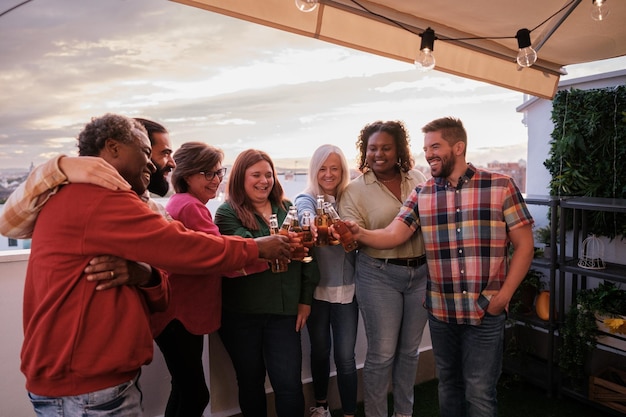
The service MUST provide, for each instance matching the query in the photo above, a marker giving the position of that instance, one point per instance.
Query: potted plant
(544, 236)
(605, 304)
(523, 299)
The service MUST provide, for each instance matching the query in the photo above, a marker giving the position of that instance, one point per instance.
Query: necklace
(265, 211)
(390, 180)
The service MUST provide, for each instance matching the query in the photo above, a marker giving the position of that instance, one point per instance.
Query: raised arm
(396, 233)
(22, 208)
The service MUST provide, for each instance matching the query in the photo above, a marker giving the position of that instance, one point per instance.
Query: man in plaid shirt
(468, 218)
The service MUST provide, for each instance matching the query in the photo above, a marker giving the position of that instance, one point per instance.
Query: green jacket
(265, 292)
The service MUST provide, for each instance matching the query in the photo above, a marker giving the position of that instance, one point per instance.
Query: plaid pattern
(465, 234)
(22, 208)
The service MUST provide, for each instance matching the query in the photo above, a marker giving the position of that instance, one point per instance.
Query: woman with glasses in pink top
(196, 301)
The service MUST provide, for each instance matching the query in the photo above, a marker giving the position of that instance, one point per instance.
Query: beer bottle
(276, 265)
(345, 235)
(321, 223)
(294, 226)
(307, 235)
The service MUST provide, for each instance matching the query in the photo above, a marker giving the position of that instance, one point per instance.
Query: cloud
(209, 77)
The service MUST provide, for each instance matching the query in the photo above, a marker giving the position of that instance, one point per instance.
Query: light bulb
(425, 61)
(307, 5)
(599, 10)
(526, 56)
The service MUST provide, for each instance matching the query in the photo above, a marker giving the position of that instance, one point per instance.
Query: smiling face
(329, 174)
(133, 161)
(382, 155)
(162, 158)
(440, 155)
(258, 182)
(201, 188)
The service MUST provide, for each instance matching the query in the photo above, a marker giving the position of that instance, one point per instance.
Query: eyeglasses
(209, 175)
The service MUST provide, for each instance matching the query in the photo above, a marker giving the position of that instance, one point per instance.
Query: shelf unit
(578, 208)
(542, 373)
(569, 264)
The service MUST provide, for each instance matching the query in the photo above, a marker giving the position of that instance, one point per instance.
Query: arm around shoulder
(24, 204)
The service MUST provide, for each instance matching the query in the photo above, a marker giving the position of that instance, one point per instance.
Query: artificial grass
(516, 398)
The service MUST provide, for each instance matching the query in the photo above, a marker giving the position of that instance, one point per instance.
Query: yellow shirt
(371, 205)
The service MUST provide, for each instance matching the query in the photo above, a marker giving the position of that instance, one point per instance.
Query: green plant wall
(588, 150)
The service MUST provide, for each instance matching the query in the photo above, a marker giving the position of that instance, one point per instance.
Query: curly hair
(93, 137)
(400, 135)
(237, 196)
(191, 158)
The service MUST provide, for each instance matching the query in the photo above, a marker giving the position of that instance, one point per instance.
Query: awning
(569, 37)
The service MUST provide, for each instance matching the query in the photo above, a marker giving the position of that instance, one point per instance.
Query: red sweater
(77, 339)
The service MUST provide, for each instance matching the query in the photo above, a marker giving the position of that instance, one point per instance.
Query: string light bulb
(307, 5)
(425, 60)
(599, 10)
(526, 55)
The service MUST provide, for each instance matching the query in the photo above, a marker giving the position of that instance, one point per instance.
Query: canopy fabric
(569, 37)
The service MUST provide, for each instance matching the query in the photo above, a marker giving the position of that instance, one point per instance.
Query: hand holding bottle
(346, 238)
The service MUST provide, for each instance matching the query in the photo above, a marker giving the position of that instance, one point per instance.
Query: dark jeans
(342, 320)
(469, 362)
(183, 355)
(260, 343)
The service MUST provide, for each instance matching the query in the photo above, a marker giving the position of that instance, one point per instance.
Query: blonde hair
(320, 156)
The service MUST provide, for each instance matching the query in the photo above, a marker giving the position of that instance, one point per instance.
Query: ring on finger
(112, 274)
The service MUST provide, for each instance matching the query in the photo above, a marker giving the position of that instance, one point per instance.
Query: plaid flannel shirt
(22, 208)
(465, 230)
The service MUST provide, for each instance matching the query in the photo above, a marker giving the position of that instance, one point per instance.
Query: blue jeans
(182, 352)
(260, 343)
(342, 320)
(391, 300)
(469, 362)
(123, 400)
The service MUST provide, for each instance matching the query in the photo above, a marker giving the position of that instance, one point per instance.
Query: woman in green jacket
(263, 313)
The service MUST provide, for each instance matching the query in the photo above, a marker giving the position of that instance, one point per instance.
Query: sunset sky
(227, 82)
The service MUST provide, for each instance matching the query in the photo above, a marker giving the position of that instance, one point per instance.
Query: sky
(223, 81)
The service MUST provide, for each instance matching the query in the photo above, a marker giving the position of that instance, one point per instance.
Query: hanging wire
(567, 93)
(615, 155)
(615, 143)
(14, 7)
(400, 25)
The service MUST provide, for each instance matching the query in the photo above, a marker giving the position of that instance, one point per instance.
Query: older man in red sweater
(83, 348)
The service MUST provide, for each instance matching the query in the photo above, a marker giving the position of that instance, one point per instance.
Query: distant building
(516, 170)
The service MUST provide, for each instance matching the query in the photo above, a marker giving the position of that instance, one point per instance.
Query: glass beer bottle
(307, 235)
(321, 223)
(276, 264)
(345, 235)
(294, 226)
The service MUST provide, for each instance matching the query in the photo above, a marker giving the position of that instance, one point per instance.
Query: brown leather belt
(410, 262)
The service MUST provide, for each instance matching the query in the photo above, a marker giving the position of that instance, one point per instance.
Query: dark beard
(158, 183)
(447, 167)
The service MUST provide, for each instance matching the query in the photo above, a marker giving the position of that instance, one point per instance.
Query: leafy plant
(588, 143)
(580, 331)
(544, 234)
